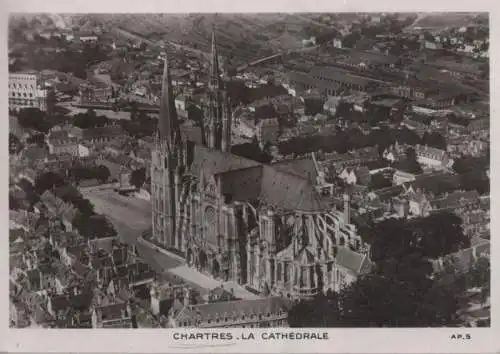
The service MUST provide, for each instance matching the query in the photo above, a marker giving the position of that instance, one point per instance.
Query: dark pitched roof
(60, 303)
(35, 153)
(214, 162)
(272, 186)
(302, 80)
(113, 311)
(192, 133)
(301, 167)
(339, 76)
(350, 260)
(432, 182)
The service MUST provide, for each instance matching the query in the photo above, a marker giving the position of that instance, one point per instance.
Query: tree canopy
(93, 226)
(33, 118)
(48, 180)
(138, 177)
(434, 139)
(397, 294)
(99, 172)
(432, 236)
(409, 163)
(90, 120)
(252, 151)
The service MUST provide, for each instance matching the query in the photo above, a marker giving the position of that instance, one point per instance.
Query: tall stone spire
(168, 123)
(214, 63)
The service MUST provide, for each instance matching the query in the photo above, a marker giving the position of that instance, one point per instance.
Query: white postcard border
(340, 340)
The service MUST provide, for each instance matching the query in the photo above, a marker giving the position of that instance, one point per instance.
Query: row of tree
(34, 118)
(432, 236)
(86, 221)
(344, 141)
(90, 119)
(99, 172)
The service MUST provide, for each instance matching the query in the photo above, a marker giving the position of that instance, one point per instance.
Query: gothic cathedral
(262, 226)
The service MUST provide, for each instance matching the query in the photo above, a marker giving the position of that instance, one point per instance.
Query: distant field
(440, 20)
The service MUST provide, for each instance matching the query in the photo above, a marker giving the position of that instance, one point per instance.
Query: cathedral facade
(262, 226)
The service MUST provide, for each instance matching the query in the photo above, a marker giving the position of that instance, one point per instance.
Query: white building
(26, 90)
(432, 157)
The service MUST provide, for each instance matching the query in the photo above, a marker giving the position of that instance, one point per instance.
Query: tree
(68, 193)
(102, 173)
(469, 164)
(434, 139)
(252, 151)
(475, 180)
(433, 236)
(138, 177)
(322, 311)
(90, 120)
(350, 40)
(14, 204)
(378, 181)
(93, 226)
(396, 294)
(84, 207)
(33, 118)
(48, 180)
(410, 163)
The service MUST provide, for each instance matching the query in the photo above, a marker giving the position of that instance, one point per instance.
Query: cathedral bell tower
(217, 110)
(166, 167)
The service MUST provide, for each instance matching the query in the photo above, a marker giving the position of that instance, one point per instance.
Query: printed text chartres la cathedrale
(251, 336)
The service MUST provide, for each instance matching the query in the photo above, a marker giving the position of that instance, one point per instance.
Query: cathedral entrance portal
(215, 268)
(202, 260)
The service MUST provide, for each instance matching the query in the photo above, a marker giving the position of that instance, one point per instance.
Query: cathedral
(263, 226)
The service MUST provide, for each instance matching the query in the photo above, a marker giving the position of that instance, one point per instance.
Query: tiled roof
(432, 182)
(214, 162)
(233, 308)
(301, 79)
(101, 262)
(338, 75)
(350, 260)
(273, 187)
(60, 303)
(300, 167)
(112, 311)
(35, 153)
(33, 278)
(192, 133)
(81, 301)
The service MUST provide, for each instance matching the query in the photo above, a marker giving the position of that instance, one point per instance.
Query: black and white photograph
(234, 170)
